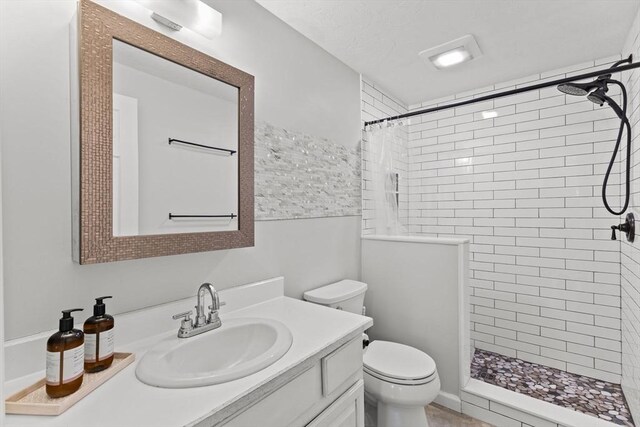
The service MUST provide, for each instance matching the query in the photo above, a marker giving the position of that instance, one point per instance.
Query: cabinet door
(346, 411)
(285, 405)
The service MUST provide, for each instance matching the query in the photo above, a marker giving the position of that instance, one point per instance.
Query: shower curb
(506, 408)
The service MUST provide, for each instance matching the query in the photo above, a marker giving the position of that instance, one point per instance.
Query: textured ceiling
(381, 38)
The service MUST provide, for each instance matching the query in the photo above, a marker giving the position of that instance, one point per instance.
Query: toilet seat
(391, 380)
(398, 363)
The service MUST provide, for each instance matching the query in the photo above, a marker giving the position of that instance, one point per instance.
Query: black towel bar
(231, 152)
(172, 216)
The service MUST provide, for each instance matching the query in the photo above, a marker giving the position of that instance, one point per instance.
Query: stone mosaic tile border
(583, 394)
(302, 176)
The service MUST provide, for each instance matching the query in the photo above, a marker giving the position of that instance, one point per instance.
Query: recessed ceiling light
(455, 52)
(489, 114)
(452, 57)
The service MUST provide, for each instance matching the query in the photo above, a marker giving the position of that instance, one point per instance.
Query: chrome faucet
(203, 322)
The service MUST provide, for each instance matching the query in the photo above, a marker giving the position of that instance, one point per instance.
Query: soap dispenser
(65, 358)
(99, 338)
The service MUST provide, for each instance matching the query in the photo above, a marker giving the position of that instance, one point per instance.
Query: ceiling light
(452, 57)
(489, 114)
(192, 14)
(451, 53)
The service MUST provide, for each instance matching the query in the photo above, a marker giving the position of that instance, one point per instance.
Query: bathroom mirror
(175, 139)
(165, 145)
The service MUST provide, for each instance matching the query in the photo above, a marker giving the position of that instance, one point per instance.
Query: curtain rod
(509, 92)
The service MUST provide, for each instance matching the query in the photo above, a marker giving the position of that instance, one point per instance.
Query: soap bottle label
(98, 346)
(69, 364)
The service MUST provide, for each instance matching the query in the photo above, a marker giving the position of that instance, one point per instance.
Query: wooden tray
(33, 400)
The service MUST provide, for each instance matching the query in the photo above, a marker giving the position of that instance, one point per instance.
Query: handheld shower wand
(596, 92)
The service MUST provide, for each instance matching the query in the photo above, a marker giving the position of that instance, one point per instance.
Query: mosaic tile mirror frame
(94, 240)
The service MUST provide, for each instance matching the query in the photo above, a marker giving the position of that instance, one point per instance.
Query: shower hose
(624, 123)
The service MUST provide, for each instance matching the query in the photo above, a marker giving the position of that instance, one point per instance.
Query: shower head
(598, 96)
(596, 92)
(582, 89)
(577, 89)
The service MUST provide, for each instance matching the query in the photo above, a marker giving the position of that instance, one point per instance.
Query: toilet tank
(345, 295)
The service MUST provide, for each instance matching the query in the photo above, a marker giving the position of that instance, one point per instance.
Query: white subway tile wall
(376, 104)
(524, 186)
(630, 261)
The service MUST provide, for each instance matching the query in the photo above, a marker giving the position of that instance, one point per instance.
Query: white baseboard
(449, 400)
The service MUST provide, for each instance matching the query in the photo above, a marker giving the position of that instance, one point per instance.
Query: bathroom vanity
(318, 381)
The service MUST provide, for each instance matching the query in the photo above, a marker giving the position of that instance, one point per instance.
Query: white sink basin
(240, 347)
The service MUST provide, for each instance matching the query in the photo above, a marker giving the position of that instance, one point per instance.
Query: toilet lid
(399, 361)
(336, 292)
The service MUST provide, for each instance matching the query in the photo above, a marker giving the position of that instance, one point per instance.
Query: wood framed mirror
(164, 145)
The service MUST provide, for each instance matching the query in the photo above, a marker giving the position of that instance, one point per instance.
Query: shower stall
(535, 175)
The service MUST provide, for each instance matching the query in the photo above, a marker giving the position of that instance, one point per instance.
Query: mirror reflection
(175, 142)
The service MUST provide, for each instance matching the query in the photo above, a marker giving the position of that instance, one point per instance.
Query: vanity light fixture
(489, 114)
(452, 53)
(192, 14)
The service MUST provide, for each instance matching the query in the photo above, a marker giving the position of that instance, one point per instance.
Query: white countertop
(125, 401)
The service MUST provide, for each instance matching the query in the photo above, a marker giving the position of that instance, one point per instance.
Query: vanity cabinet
(346, 411)
(330, 392)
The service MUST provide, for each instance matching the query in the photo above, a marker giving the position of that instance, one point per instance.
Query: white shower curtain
(382, 141)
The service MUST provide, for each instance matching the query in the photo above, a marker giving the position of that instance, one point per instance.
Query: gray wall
(413, 298)
(298, 86)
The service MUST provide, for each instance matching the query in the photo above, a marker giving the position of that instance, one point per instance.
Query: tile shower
(524, 187)
(545, 278)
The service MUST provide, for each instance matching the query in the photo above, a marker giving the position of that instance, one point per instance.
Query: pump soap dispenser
(99, 339)
(65, 358)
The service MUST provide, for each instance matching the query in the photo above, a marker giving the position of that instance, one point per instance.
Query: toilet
(402, 380)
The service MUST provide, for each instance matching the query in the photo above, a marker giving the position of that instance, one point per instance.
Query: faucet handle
(220, 304)
(186, 315)
(213, 314)
(186, 324)
(628, 227)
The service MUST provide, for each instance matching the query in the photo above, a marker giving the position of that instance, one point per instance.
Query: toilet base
(401, 416)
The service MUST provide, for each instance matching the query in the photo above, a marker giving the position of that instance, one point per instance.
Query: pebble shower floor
(583, 394)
